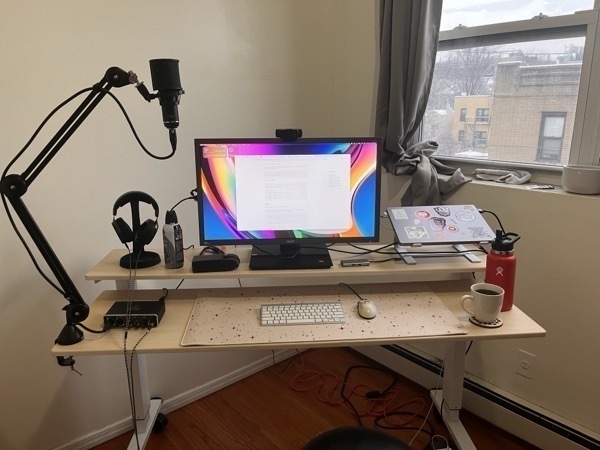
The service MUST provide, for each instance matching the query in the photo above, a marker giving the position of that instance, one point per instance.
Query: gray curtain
(409, 32)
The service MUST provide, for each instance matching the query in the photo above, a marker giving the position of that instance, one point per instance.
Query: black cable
(193, 196)
(493, 214)
(350, 287)
(469, 347)
(164, 296)
(363, 251)
(435, 254)
(398, 255)
(384, 260)
(480, 247)
(371, 394)
(104, 330)
(28, 250)
(41, 126)
(429, 432)
(290, 256)
(30, 141)
(12, 162)
(135, 132)
(130, 373)
(128, 367)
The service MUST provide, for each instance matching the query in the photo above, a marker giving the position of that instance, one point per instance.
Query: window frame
(585, 143)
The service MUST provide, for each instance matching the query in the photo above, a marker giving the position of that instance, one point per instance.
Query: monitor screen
(304, 193)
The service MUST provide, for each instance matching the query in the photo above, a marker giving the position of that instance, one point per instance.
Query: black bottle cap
(171, 216)
(505, 242)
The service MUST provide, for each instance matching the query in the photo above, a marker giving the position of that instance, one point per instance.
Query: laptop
(442, 224)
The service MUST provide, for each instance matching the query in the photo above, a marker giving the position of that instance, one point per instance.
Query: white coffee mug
(486, 302)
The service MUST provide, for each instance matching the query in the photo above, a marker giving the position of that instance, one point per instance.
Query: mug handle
(462, 303)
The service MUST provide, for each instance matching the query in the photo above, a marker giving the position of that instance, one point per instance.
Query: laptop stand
(403, 252)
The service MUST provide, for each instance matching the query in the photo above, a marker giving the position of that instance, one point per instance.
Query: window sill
(539, 174)
(556, 189)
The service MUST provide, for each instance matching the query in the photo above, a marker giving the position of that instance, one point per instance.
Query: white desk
(167, 336)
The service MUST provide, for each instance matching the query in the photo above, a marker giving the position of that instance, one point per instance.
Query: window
(482, 115)
(551, 137)
(480, 139)
(515, 73)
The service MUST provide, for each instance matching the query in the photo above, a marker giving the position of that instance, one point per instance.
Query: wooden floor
(284, 406)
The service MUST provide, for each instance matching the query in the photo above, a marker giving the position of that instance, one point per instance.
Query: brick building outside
(528, 118)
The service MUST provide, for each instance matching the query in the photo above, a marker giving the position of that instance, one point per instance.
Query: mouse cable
(350, 287)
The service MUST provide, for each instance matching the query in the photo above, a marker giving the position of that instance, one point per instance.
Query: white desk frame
(167, 336)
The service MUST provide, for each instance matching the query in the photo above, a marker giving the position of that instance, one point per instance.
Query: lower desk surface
(166, 338)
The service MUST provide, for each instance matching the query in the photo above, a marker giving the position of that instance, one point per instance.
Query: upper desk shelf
(426, 269)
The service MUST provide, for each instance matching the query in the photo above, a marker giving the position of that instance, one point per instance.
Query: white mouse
(366, 309)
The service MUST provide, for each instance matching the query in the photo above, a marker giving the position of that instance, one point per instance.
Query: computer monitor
(288, 199)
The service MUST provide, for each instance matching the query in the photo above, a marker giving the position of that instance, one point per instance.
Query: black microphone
(165, 80)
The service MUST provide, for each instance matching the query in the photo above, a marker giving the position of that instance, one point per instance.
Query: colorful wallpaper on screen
(216, 189)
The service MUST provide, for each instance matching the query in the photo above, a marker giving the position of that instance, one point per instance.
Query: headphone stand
(139, 233)
(139, 259)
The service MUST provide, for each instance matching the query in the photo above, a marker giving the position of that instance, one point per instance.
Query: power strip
(140, 314)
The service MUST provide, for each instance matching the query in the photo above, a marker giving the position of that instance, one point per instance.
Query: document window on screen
(293, 192)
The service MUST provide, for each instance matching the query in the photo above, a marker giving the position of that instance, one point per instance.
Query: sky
(482, 12)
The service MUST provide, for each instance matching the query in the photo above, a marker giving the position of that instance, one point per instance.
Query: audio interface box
(141, 314)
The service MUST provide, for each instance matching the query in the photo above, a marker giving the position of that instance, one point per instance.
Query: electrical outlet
(525, 364)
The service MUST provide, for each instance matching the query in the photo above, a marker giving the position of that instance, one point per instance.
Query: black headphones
(139, 234)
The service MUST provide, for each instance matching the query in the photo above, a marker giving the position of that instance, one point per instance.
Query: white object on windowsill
(503, 176)
(581, 179)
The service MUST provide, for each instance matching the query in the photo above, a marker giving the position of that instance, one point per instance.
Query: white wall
(248, 67)
(556, 284)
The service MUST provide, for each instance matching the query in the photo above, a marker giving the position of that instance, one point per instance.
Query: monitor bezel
(198, 142)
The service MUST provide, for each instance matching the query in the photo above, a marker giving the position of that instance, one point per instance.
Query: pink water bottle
(501, 265)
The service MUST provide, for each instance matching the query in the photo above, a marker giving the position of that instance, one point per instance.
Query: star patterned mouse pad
(229, 320)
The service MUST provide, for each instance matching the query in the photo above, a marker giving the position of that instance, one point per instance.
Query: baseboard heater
(548, 423)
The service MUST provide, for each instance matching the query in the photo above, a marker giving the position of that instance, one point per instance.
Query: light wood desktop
(441, 267)
(166, 338)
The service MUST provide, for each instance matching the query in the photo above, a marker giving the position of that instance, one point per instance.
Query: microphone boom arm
(14, 186)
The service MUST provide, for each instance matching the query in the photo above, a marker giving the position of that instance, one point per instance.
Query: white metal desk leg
(449, 399)
(146, 409)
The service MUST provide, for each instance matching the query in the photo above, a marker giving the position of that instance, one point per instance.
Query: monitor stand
(290, 256)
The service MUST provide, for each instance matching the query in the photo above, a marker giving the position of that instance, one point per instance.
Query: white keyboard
(302, 313)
